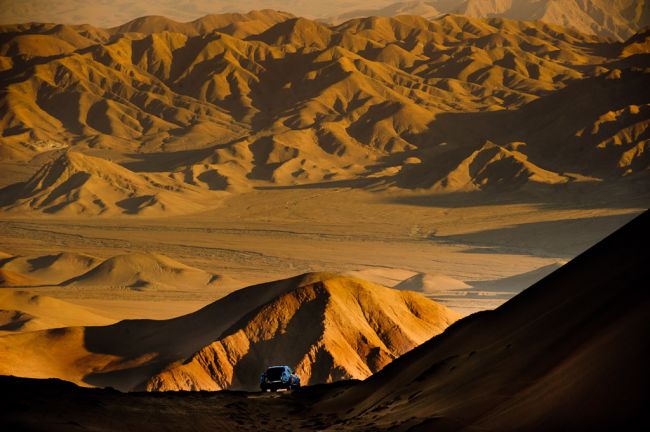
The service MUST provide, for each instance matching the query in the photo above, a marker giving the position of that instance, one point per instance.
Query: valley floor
(385, 237)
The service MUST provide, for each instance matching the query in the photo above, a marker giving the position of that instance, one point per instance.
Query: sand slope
(430, 283)
(331, 329)
(23, 311)
(48, 269)
(355, 329)
(142, 271)
(568, 352)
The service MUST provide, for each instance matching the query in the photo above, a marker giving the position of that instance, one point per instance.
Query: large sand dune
(354, 329)
(49, 269)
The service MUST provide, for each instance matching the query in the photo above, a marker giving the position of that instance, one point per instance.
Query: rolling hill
(77, 184)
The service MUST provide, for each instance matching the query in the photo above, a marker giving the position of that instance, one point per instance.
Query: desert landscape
(404, 202)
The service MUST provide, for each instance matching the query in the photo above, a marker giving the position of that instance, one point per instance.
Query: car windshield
(274, 373)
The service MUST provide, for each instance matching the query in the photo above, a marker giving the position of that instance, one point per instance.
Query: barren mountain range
(613, 18)
(617, 19)
(162, 117)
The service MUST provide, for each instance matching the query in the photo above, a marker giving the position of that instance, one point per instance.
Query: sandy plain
(384, 236)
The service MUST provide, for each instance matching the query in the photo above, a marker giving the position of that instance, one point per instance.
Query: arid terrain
(364, 192)
(542, 361)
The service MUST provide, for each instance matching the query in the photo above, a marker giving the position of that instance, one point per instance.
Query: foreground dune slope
(326, 326)
(569, 352)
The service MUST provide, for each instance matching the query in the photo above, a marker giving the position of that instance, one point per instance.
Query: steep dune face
(568, 352)
(292, 101)
(333, 329)
(76, 184)
(329, 327)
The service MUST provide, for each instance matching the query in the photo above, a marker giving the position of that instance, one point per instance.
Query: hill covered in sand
(175, 113)
(77, 184)
(354, 329)
(138, 271)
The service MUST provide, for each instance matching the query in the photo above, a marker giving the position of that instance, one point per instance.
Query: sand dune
(9, 278)
(518, 283)
(49, 269)
(141, 272)
(356, 328)
(567, 352)
(430, 283)
(66, 273)
(23, 311)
